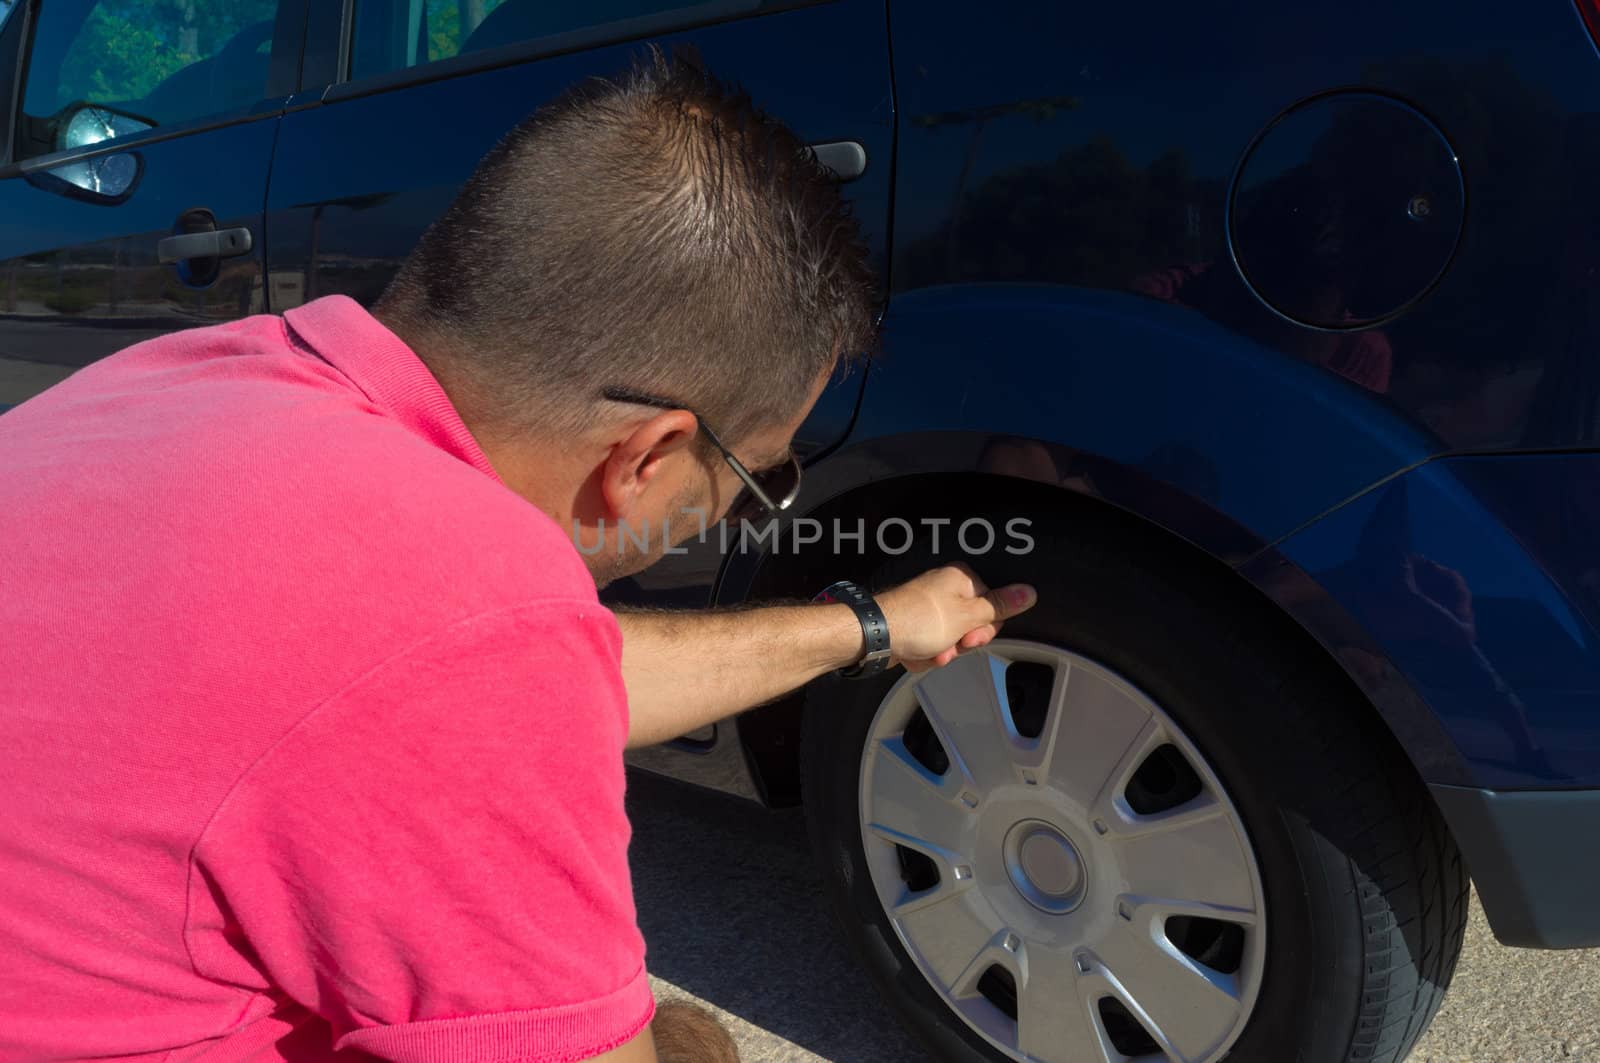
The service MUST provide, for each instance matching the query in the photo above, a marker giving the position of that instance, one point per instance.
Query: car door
(136, 150)
(425, 87)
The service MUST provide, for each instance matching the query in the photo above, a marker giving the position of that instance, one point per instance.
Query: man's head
(653, 236)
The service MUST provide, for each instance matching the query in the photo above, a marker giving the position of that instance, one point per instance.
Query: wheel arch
(1176, 531)
(1259, 437)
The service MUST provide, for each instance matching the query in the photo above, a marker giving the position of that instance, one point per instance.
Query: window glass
(143, 64)
(395, 34)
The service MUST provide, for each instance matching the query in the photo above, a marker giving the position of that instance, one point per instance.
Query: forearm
(684, 670)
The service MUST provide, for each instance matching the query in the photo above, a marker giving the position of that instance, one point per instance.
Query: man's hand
(944, 611)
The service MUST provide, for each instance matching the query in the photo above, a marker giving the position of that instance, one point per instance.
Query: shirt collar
(340, 331)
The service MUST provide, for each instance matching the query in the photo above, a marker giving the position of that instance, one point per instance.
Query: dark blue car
(1264, 338)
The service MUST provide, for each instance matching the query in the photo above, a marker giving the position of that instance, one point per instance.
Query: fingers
(979, 636)
(995, 605)
(1006, 602)
(993, 608)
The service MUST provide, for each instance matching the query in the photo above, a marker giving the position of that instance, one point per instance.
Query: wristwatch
(874, 628)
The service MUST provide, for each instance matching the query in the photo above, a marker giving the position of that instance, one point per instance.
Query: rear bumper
(1534, 859)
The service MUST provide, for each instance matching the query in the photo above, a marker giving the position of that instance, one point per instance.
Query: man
(313, 723)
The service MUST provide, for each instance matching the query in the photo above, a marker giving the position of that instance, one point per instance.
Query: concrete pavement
(732, 912)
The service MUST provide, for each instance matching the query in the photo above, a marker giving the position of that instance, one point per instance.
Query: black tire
(1366, 894)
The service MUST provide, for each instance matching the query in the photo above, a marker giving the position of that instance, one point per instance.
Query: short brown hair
(656, 233)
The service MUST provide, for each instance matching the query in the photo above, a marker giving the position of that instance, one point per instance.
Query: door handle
(219, 243)
(846, 158)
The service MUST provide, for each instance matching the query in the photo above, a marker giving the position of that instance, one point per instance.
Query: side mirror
(87, 124)
(92, 123)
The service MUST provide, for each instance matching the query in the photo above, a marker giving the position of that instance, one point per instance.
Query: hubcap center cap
(1044, 866)
(1051, 863)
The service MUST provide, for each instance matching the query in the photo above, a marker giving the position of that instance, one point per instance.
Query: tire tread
(1409, 875)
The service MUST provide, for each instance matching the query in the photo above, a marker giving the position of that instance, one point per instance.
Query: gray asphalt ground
(733, 916)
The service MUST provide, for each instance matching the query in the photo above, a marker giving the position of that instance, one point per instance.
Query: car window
(108, 68)
(395, 34)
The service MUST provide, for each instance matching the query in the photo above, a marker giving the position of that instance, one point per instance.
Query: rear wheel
(1133, 829)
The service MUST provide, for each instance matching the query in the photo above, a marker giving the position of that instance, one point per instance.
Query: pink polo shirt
(310, 729)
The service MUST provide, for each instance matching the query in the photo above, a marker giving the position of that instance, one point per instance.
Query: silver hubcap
(1060, 862)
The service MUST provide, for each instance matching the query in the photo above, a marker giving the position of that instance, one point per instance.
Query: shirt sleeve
(435, 859)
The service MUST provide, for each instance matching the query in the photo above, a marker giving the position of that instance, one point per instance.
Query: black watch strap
(874, 628)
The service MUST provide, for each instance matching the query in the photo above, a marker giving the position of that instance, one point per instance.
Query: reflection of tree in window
(450, 24)
(126, 48)
(453, 27)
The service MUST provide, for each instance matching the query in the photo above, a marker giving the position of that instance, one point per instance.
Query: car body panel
(1478, 578)
(1095, 147)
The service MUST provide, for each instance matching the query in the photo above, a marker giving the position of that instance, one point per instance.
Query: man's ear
(636, 462)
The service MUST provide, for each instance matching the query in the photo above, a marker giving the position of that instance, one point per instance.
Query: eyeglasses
(771, 490)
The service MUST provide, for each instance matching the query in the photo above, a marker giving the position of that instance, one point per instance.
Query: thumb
(1008, 601)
